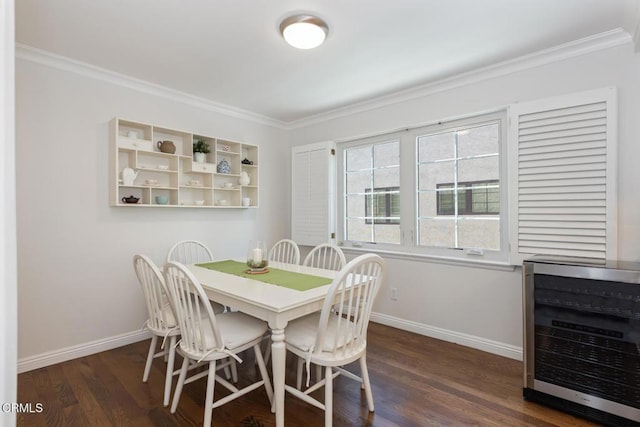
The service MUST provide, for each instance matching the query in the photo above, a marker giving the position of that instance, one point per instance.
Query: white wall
(8, 282)
(475, 306)
(76, 283)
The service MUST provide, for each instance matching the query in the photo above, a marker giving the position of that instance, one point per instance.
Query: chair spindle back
(285, 250)
(348, 305)
(325, 256)
(189, 252)
(192, 309)
(153, 289)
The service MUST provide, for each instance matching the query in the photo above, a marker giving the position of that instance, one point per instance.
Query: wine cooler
(582, 337)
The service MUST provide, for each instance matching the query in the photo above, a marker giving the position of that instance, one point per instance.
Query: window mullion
(372, 180)
(456, 207)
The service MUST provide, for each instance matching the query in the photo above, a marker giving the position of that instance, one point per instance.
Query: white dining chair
(210, 339)
(337, 335)
(327, 256)
(189, 252)
(161, 322)
(285, 250)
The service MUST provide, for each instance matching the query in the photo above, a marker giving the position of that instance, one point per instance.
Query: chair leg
(318, 373)
(147, 366)
(365, 381)
(208, 400)
(328, 397)
(263, 372)
(176, 394)
(169, 374)
(267, 352)
(231, 373)
(299, 373)
(234, 370)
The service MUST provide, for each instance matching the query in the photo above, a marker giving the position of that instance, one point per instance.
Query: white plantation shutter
(563, 190)
(313, 194)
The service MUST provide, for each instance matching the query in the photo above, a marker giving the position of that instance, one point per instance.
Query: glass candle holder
(257, 256)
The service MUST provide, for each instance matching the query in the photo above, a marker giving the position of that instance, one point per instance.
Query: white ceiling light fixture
(304, 31)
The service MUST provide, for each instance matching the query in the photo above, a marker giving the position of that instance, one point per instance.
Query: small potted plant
(200, 150)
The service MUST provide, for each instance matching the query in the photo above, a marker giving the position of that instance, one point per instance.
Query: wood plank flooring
(416, 381)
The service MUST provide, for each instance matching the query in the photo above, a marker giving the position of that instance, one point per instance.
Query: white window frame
(408, 194)
(342, 210)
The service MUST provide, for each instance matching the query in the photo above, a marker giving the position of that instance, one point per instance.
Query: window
(372, 174)
(474, 198)
(383, 205)
(449, 191)
(437, 190)
(454, 169)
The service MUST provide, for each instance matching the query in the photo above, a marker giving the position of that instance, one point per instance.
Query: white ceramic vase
(199, 157)
(244, 178)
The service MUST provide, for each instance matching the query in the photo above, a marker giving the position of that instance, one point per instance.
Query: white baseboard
(494, 347)
(62, 355)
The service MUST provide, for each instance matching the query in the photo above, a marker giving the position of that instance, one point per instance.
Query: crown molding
(558, 53)
(43, 57)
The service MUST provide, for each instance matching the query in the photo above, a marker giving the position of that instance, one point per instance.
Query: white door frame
(8, 250)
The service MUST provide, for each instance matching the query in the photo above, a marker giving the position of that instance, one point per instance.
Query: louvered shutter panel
(563, 190)
(313, 195)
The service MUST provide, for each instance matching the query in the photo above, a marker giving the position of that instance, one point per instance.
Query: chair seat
(169, 326)
(170, 320)
(238, 330)
(301, 334)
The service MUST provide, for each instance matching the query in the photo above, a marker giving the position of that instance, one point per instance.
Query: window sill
(491, 265)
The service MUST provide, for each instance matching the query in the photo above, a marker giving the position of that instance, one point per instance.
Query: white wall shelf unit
(176, 178)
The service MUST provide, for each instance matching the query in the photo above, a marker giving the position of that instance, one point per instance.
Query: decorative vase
(167, 147)
(199, 157)
(244, 178)
(223, 167)
(257, 256)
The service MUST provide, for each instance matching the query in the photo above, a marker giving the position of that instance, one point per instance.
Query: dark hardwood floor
(417, 381)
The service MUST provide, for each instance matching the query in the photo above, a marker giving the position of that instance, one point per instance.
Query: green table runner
(275, 276)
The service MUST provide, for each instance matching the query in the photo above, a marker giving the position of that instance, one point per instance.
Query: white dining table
(277, 305)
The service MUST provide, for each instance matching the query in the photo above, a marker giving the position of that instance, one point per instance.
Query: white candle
(256, 255)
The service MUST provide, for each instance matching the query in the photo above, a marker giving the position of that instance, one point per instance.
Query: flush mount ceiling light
(304, 31)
